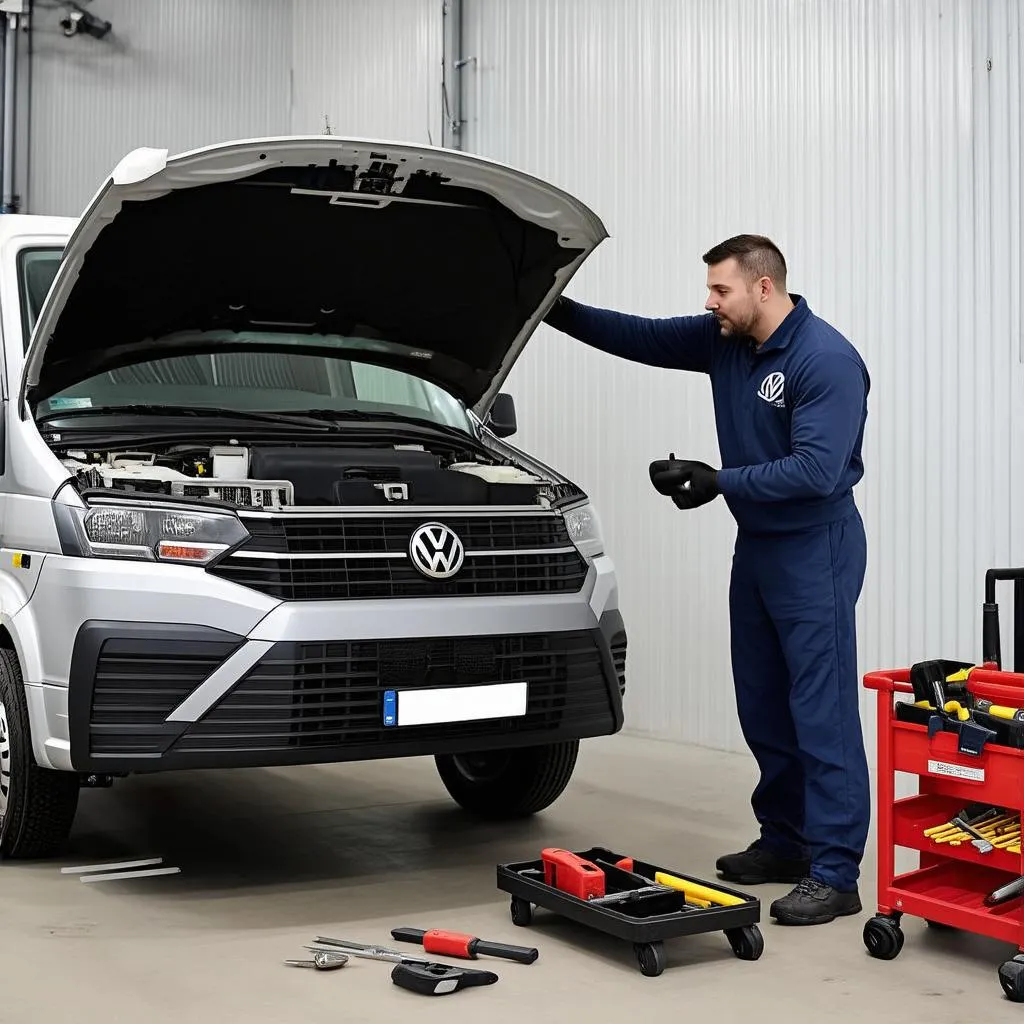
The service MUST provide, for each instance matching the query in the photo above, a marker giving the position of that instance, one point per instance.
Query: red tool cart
(959, 728)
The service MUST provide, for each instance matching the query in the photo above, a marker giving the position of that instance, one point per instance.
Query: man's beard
(737, 329)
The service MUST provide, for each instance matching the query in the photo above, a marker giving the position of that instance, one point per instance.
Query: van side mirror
(502, 417)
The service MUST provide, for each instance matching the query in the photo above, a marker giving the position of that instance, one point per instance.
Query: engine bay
(273, 476)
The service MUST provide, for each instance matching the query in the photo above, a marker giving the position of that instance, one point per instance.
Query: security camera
(76, 20)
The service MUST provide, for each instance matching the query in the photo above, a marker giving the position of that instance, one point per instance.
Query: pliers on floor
(323, 960)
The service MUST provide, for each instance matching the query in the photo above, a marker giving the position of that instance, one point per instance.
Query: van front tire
(500, 785)
(37, 805)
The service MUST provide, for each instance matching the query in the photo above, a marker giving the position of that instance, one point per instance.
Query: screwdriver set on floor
(416, 973)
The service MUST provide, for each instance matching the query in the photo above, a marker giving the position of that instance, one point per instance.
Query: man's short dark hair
(756, 255)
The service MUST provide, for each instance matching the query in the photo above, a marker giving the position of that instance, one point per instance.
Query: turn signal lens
(171, 552)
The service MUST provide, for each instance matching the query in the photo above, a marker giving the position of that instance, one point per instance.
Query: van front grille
(368, 558)
(391, 534)
(366, 578)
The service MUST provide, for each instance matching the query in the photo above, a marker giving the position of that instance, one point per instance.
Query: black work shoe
(813, 902)
(757, 866)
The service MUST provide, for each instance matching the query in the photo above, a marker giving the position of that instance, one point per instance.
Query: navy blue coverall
(790, 418)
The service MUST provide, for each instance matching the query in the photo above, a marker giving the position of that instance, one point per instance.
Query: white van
(257, 503)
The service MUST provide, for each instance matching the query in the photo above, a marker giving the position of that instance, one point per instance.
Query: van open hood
(448, 259)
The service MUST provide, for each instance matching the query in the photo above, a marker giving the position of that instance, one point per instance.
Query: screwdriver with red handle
(465, 947)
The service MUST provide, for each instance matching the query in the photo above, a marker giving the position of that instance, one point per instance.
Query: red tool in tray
(572, 874)
(955, 727)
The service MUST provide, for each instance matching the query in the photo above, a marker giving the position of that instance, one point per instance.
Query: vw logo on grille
(436, 551)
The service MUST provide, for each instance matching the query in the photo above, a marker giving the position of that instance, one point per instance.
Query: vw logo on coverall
(773, 388)
(436, 551)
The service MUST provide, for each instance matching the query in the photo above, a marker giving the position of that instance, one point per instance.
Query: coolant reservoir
(496, 474)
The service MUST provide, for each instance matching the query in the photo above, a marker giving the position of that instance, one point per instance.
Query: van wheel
(37, 805)
(504, 784)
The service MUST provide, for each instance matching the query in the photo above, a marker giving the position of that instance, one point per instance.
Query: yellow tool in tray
(1000, 828)
(697, 893)
(998, 711)
(949, 707)
(961, 676)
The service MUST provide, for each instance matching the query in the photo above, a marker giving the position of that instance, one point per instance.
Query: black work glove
(688, 483)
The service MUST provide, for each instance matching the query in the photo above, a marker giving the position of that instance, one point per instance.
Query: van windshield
(255, 380)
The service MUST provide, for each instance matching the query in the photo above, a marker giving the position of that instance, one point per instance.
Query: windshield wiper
(308, 420)
(326, 420)
(412, 422)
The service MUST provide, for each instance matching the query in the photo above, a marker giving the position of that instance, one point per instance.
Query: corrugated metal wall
(878, 141)
(185, 73)
(372, 66)
(172, 74)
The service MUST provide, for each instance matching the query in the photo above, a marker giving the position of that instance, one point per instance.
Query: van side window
(36, 271)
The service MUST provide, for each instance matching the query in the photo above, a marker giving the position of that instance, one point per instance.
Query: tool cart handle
(894, 680)
(1000, 687)
(989, 683)
(990, 639)
(889, 680)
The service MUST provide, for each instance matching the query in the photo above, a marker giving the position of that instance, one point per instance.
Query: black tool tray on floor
(648, 920)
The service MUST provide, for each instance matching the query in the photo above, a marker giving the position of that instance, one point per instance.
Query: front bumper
(305, 683)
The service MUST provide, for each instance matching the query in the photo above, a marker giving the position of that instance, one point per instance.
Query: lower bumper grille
(331, 694)
(618, 646)
(322, 702)
(127, 678)
(146, 686)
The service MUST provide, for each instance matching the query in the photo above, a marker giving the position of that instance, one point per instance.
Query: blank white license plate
(454, 704)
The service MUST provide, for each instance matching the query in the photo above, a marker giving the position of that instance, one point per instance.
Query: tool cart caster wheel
(747, 943)
(1011, 977)
(651, 957)
(522, 912)
(883, 937)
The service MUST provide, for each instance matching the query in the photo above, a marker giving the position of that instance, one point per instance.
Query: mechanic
(790, 400)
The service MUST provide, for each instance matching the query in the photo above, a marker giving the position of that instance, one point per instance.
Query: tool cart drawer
(994, 775)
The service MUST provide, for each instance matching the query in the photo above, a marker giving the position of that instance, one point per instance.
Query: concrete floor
(271, 858)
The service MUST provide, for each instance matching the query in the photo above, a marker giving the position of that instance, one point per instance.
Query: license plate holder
(440, 705)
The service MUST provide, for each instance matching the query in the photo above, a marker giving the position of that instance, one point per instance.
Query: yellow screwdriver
(998, 711)
(699, 895)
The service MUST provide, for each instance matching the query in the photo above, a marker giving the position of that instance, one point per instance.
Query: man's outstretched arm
(825, 425)
(676, 343)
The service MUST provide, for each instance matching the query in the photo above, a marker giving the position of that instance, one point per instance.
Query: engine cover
(341, 476)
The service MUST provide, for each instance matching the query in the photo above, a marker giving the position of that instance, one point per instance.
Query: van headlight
(585, 530)
(170, 534)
